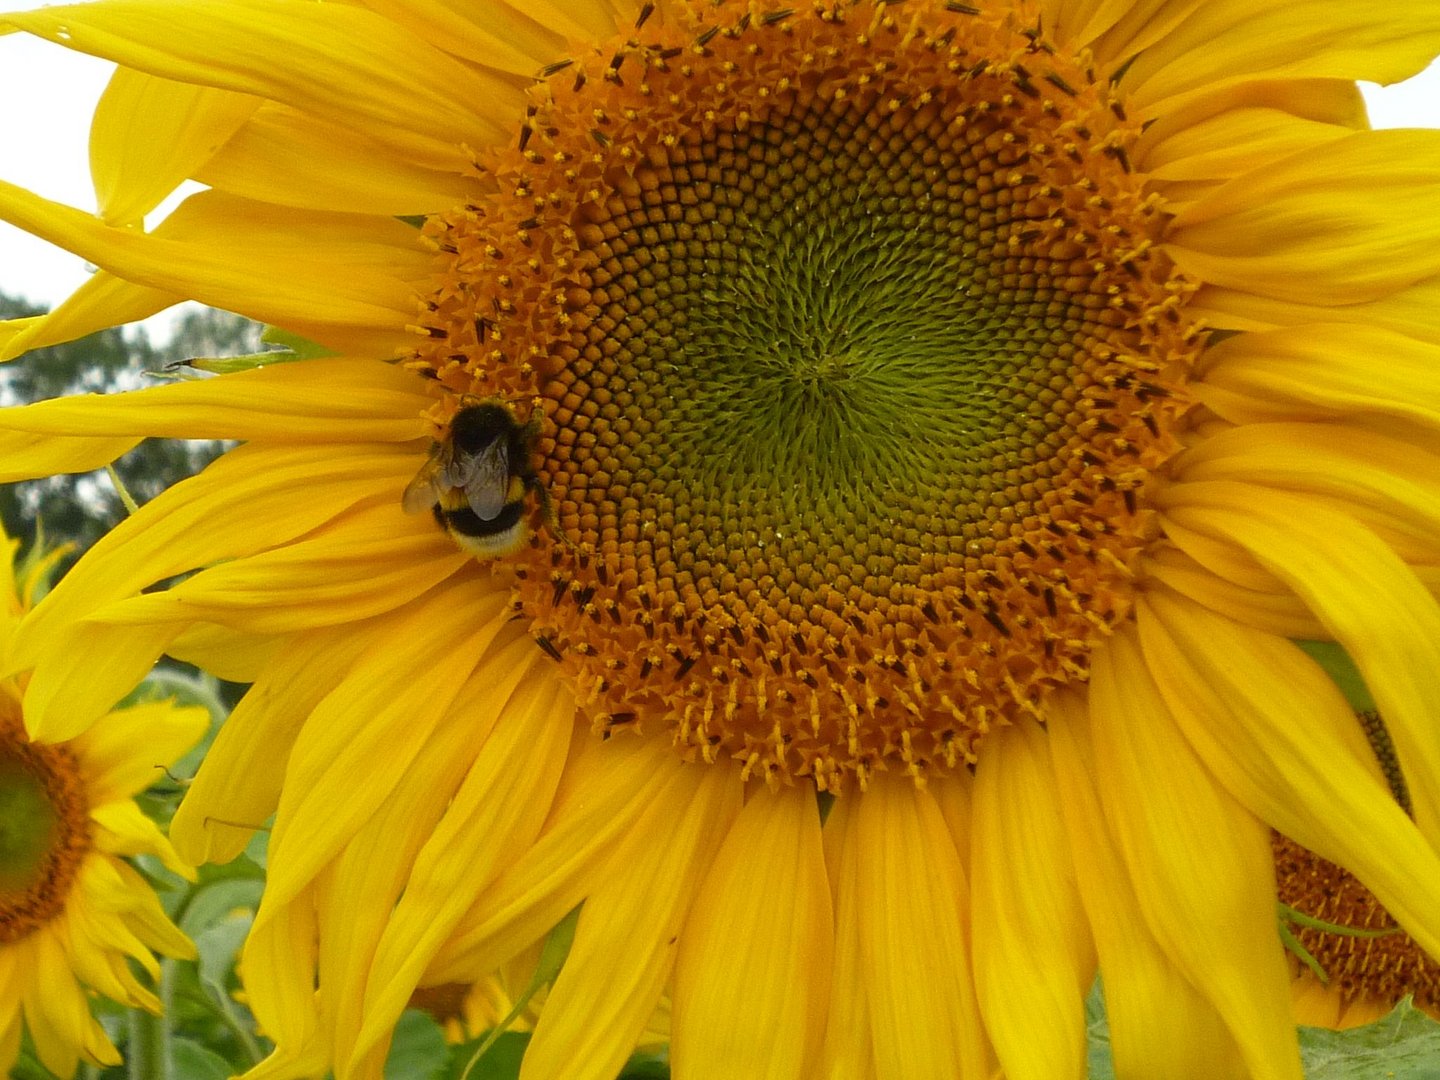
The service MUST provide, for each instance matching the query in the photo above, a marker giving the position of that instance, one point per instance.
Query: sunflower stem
(148, 1056)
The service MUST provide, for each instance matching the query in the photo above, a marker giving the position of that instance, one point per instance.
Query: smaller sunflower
(1351, 962)
(73, 913)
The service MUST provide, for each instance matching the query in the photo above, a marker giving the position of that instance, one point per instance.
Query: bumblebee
(477, 479)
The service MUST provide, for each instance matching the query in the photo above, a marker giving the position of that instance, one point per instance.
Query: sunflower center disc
(854, 354)
(44, 830)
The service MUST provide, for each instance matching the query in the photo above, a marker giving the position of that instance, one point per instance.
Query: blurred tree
(79, 509)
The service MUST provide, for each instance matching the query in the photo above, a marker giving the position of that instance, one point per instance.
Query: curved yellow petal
(1274, 729)
(752, 981)
(1227, 41)
(151, 134)
(1034, 958)
(108, 754)
(287, 403)
(1279, 612)
(498, 35)
(357, 743)
(284, 156)
(1199, 862)
(25, 456)
(57, 1014)
(1161, 1027)
(338, 62)
(1368, 599)
(911, 906)
(606, 788)
(1413, 311)
(364, 563)
(1309, 229)
(278, 960)
(492, 820)
(1384, 482)
(102, 301)
(251, 499)
(286, 267)
(238, 785)
(1324, 372)
(627, 935)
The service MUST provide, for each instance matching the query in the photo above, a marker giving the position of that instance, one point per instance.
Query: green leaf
(1101, 1066)
(650, 1066)
(194, 1062)
(218, 946)
(1403, 1046)
(1342, 671)
(418, 1051)
(216, 898)
(500, 1062)
(303, 348)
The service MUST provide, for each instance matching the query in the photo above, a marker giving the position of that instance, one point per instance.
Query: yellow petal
(149, 135)
(278, 965)
(1160, 1025)
(121, 828)
(1368, 600)
(1123, 28)
(341, 63)
(1414, 311)
(1279, 613)
(1034, 959)
(238, 785)
(1233, 40)
(364, 563)
(911, 906)
(498, 35)
(110, 755)
(606, 788)
(1236, 142)
(626, 938)
(848, 1052)
(492, 820)
(1324, 372)
(26, 456)
(289, 403)
(1310, 230)
(101, 302)
(752, 981)
(1385, 483)
(283, 156)
(1199, 862)
(234, 510)
(359, 740)
(58, 1014)
(286, 267)
(1275, 730)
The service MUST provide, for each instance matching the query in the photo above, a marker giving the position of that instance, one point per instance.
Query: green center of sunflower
(853, 354)
(44, 830)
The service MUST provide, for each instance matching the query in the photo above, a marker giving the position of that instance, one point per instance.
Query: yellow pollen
(854, 353)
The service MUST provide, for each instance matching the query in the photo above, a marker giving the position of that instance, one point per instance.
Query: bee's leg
(551, 519)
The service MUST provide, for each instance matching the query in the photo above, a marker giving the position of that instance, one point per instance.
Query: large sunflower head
(73, 912)
(953, 407)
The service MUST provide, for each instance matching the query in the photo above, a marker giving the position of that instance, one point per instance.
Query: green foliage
(1402, 1046)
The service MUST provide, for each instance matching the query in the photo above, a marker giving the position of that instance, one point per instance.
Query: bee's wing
(423, 491)
(485, 477)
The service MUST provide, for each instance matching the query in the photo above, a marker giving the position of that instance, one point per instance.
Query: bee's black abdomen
(466, 522)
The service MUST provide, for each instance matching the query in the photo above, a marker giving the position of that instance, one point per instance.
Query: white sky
(50, 92)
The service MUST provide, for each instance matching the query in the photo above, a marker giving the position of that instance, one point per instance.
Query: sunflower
(952, 409)
(73, 912)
